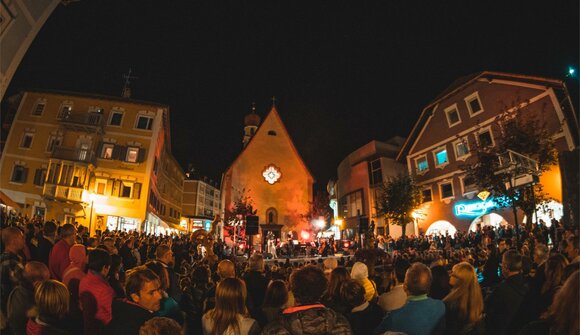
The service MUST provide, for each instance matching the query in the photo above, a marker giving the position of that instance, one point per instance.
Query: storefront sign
(477, 208)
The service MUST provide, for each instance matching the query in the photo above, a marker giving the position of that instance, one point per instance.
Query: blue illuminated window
(422, 164)
(441, 157)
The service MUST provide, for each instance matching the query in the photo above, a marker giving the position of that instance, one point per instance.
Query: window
(107, 151)
(64, 111)
(376, 172)
(39, 177)
(469, 185)
(132, 155)
(271, 133)
(452, 115)
(38, 108)
(101, 186)
(461, 149)
(485, 139)
(116, 119)
(351, 205)
(19, 174)
(446, 190)
(144, 122)
(426, 195)
(422, 165)
(53, 141)
(440, 157)
(125, 190)
(474, 104)
(26, 141)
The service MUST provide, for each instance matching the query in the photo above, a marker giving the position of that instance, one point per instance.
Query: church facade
(271, 174)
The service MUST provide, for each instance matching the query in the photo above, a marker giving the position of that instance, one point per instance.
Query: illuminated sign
(474, 208)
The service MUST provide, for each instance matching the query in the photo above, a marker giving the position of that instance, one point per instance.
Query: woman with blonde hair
(230, 315)
(52, 306)
(464, 302)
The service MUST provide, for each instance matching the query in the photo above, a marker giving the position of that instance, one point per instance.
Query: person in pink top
(59, 260)
(72, 277)
(95, 293)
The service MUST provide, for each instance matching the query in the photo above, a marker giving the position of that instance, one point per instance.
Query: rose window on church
(272, 174)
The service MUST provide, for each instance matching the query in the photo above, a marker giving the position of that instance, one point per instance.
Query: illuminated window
(107, 151)
(64, 111)
(441, 157)
(132, 154)
(422, 164)
(452, 114)
(101, 186)
(271, 174)
(474, 104)
(461, 148)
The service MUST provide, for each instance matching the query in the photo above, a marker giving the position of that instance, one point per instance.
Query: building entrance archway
(546, 212)
(441, 227)
(491, 219)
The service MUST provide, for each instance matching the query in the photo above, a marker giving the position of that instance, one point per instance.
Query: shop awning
(4, 199)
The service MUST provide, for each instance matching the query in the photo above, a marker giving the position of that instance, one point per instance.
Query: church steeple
(251, 123)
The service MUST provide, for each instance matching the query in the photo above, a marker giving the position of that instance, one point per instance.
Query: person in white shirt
(396, 297)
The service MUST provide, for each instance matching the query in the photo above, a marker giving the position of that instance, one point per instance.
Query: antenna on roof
(126, 93)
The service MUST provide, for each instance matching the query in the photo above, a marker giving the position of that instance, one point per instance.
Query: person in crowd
(572, 249)
(109, 245)
(169, 307)
(491, 267)
(329, 265)
(114, 278)
(464, 303)
(562, 316)
(256, 284)
(59, 259)
(45, 242)
(275, 300)
(553, 272)
(331, 297)
(195, 292)
(309, 316)
(164, 255)
(95, 294)
(396, 297)
(76, 270)
(440, 286)
(52, 306)
(21, 299)
(431, 311)
(360, 273)
(161, 326)
(225, 269)
(142, 287)
(11, 264)
(363, 316)
(126, 251)
(503, 303)
(230, 315)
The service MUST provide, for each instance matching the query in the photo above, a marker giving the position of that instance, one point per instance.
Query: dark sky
(343, 72)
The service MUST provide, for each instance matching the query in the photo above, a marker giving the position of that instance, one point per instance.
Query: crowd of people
(57, 279)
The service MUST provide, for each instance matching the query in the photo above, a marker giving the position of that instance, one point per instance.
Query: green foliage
(243, 205)
(397, 199)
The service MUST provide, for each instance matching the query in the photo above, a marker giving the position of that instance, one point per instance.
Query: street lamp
(92, 198)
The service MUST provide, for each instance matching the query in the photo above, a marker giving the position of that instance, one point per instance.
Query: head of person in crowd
(400, 267)
(541, 253)
(440, 286)
(201, 275)
(256, 263)
(418, 279)
(511, 263)
(308, 284)
(329, 265)
(359, 271)
(352, 293)
(161, 272)
(165, 255)
(12, 240)
(230, 303)
(142, 286)
(49, 230)
(161, 326)
(52, 300)
(276, 294)
(78, 256)
(226, 269)
(92, 242)
(68, 233)
(572, 250)
(116, 265)
(465, 297)
(109, 244)
(99, 261)
(34, 274)
(337, 277)
(554, 272)
(565, 308)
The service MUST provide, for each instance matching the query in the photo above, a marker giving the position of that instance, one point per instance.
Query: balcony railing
(61, 192)
(74, 154)
(90, 122)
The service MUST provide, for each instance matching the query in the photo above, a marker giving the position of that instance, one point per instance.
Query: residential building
(465, 116)
(201, 202)
(360, 177)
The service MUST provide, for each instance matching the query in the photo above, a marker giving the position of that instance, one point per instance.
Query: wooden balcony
(91, 122)
(64, 193)
(74, 154)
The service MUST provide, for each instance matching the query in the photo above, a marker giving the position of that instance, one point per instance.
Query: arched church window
(272, 216)
(271, 133)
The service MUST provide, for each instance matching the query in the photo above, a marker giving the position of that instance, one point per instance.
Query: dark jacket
(42, 250)
(128, 317)
(256, 284)
(503, 304)
(365, 321)
(129, 260)
(310, 319)
(456, 326)
(21, 299)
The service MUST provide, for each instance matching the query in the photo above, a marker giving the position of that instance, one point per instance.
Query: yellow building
(89, 158)
(270, 171)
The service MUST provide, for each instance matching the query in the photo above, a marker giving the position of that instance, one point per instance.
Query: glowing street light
(338, 222)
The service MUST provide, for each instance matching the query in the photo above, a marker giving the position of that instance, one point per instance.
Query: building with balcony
(92, 159)
(360, 176)
(465, 117)
(201, 202)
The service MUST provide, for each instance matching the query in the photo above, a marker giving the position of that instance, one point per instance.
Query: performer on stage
(271, 244)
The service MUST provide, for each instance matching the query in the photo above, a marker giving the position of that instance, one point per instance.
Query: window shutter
(24, 175)
(37, 175)
(119, 152)
(141, 155)
(137, 191)
(116, 188)
(100, 150)
(110, 183)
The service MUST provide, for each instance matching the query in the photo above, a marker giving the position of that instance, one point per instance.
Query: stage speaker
(363, 225)
(252, 224)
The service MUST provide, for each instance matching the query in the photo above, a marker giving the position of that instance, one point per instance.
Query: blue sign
(474, 209)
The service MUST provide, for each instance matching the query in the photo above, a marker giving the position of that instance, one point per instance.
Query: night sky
(343, 72)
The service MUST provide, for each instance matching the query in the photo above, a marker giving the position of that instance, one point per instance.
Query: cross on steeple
(274, 101)
(126, 93)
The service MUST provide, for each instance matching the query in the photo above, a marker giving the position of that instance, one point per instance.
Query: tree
(397, 198)
(243, 206)
(320, 207)
(524, 131)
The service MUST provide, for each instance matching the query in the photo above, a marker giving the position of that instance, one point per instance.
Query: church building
(271, 174)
